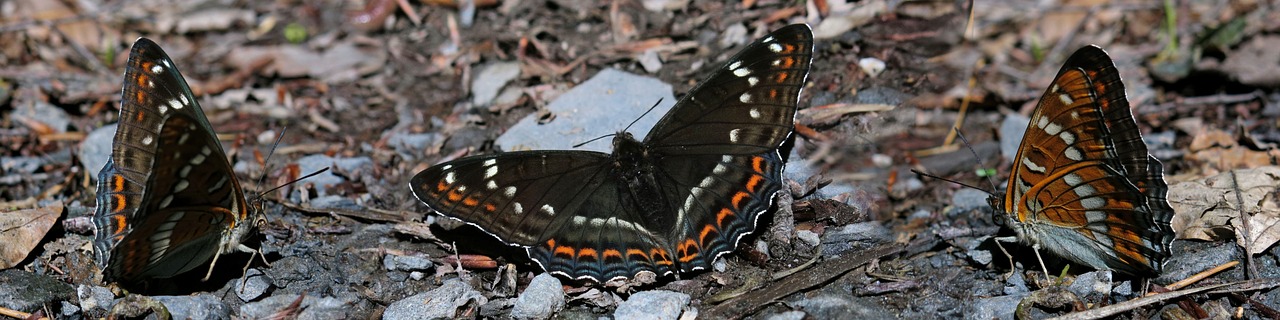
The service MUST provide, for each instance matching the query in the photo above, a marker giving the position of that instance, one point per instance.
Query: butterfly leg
(1006, 254)
(244, 279)
(209, 273)
(1036, 248)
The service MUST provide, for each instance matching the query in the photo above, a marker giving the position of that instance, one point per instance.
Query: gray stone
(253, 285)
(26, 165)
(406, 263)
(1011, 131)
(541, 300)
(1016, 285)
(854, 237)
(653, 304)
(1001, 307)
(342, 306)
(41, 111)
(981, 257)
(1096, 283)
(1195, 256)
(808, 237)
(69, 309)
(95, 150)
(28, 292)
(95, 299)
(411, 146)
(199, 306)
(787, 315)
(322, 181)
(967, 198)
(335, 202)
(602, 105)
(490, 80)
(839, 306)
(440, 303)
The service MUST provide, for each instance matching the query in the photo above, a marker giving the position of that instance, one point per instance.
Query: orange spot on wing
(565, 251)
(612, 253)
(754, 182)
(117, 183)
(737, 199)
(688, 250)
(757, 164)
(661, 256)
(587, 252)
(441, 187)
(788, 62)
(551, 244)
(637, 252)
(781, 77)
(454, 196)
(120, 223)
(724, 213)
(490, 207)
(120, 202)
(470, 201)
(706, 231)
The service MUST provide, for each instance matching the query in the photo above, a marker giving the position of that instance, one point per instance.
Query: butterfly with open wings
(672, 203)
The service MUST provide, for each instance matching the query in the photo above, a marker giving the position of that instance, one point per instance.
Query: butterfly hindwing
(719, 199)
(564, 206)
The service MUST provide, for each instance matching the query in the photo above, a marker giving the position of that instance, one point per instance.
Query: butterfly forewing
(745, 107)
(1082, 167)
(168, 194)
(672, 203)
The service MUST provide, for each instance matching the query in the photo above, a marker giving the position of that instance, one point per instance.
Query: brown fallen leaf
(1208, 209)
(21, 231)
(1218, 149)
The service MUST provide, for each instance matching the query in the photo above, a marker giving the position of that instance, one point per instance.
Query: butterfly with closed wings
(168, 200)
(672, 203)
(1083, 185)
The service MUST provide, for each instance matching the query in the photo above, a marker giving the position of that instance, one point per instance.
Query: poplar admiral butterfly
(672, 203)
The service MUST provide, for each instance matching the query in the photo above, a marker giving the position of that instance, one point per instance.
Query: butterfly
(1083, 185)
(674, 202)
(167, 198)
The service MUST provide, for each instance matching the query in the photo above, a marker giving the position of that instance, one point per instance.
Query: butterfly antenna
(594, 139)
(260, 195)
(960, 134)
(646, 112)
(263, 177)
(921, 173)
(633, 122)
(975, 156)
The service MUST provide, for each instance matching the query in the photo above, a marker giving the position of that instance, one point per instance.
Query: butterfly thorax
(633, 163)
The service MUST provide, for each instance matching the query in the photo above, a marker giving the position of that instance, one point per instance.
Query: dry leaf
(21, 231)
(1217, 149)
(1209, 210)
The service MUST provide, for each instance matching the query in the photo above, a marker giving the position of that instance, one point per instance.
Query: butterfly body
(168, 200)
(671, 203)
(1083, 185)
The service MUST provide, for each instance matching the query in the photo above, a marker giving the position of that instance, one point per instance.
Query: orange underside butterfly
(1083, 185)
